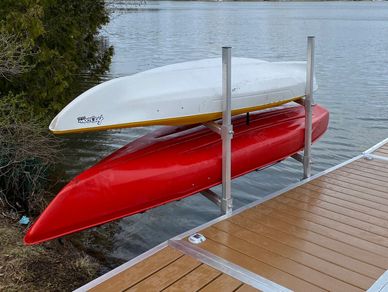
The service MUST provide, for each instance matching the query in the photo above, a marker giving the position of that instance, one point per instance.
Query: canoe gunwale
(177, 121)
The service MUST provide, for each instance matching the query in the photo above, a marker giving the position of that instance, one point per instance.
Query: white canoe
(183, 93)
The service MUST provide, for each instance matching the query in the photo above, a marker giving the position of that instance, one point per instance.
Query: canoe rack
(225, 130)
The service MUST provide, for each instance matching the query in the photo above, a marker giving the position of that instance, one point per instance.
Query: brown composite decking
(171, 270)
(327, 234)
(382, 151)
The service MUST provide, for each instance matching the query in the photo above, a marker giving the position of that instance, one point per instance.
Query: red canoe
(169, 164)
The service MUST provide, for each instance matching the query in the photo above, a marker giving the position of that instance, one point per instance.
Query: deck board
(351, 184)
(340, 212)
(314, 213)
(368, 167)
(341, 246)
(195, 280)
(261, 268)
(257, 239)
(300, 271)
(168, 275)
(243, 288)
(304, 246)
(376, 162)
(330, 233)
(365, 174)
(140, 271)
(361, 202)
(223, 283)
(344, 233)
(382, 151)
(361, 180)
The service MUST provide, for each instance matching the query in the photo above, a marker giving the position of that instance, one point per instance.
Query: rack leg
(226, 131)
(308, 107)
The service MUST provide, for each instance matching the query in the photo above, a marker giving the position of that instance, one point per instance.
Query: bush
(27, 152)
(62, 39)
(44, 46)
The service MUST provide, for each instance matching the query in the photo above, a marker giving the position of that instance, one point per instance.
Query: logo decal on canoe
(91, 120)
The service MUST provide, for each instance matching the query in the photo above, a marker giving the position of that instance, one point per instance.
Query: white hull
(182, 93)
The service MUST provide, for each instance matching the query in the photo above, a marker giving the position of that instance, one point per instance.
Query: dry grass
(48, 267)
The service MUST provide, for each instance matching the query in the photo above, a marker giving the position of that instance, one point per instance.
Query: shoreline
(51, 266)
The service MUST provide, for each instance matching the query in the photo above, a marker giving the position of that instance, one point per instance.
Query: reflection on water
(351, 68)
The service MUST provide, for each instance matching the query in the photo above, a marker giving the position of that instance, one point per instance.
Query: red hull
(169, 164)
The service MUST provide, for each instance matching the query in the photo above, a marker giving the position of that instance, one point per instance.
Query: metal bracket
(371, 156)
(212, 196)
(300, 158)
(300, 101)
(213, 126)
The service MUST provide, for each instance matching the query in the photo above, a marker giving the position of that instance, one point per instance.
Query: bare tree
(13, 55)
(26, 154)
(27, 151)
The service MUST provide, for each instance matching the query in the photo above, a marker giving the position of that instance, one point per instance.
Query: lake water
(351, 69)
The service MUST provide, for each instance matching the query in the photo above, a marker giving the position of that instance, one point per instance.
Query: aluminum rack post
(308, 107)
(226, 131)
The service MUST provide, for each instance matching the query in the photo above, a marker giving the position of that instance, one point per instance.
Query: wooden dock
(325, 233)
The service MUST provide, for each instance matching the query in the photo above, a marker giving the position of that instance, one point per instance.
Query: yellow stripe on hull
(178, 121)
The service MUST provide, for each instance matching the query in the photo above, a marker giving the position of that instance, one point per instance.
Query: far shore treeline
(45, 46)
